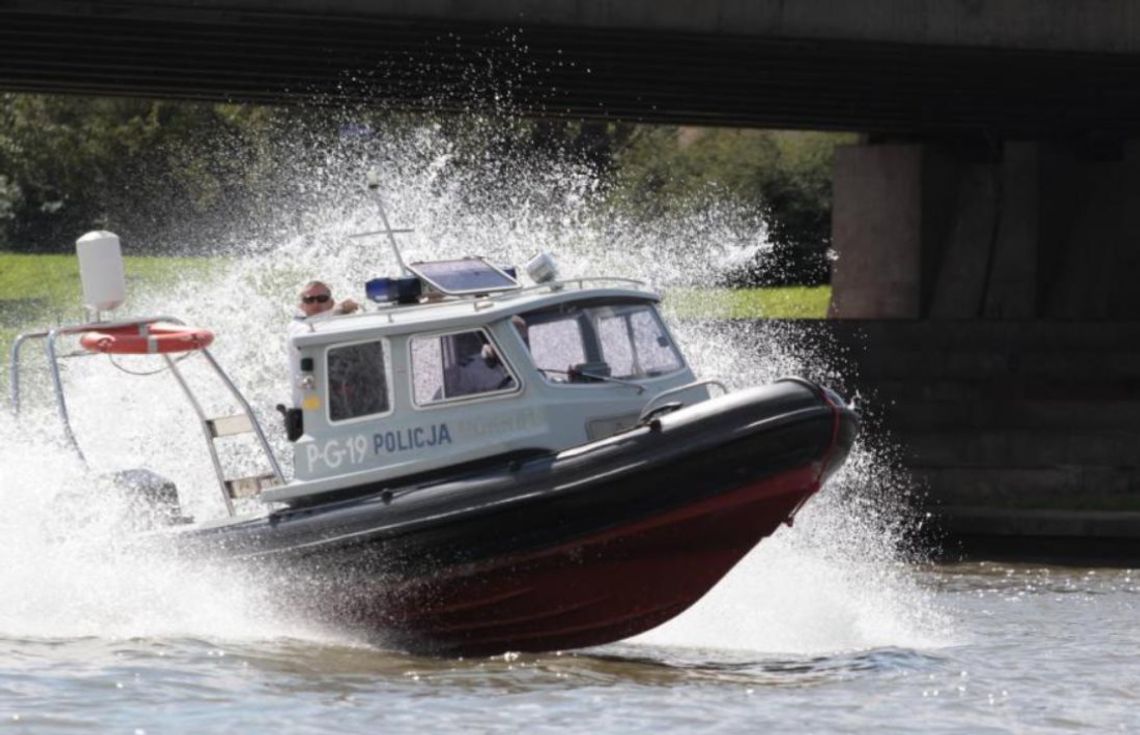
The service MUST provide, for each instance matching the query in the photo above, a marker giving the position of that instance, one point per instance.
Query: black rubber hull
(586, 547)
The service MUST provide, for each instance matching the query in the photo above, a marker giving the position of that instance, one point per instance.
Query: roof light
(399, 290)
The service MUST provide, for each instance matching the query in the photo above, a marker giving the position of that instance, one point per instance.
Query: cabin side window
(458, 365)
(357, 381)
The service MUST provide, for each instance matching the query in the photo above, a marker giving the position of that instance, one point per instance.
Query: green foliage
(159, 172)
(72, 164)
(783, 176)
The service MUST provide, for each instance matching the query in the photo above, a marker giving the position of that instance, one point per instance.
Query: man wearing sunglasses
(316, 303)
(316, 298)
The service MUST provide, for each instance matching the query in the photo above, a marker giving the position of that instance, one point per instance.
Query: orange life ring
(146, 339)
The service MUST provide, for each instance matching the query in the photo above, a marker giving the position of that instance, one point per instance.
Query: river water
(1016, 649)
(828, 626)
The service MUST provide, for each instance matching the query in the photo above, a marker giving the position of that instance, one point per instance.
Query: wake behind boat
(482, 466)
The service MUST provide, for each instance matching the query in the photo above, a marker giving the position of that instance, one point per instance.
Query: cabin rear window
(458, 365)
(357, 380)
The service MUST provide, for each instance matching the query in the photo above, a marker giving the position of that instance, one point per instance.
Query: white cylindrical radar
(101, 270)
(542, 268)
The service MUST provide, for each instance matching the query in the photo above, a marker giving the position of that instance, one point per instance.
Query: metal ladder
(216, 428)
(213, 428)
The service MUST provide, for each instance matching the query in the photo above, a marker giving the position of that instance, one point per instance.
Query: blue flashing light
(379, 289)
(399, 290)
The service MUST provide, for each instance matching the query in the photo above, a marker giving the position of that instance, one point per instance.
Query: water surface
(1022, 649)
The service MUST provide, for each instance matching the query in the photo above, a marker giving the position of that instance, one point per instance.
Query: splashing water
(836, 581)
(66, 575)
(833, 583)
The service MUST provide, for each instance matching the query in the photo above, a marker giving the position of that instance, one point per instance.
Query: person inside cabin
(476, 374)
(316, 301)
(482, 371)
(491, 357)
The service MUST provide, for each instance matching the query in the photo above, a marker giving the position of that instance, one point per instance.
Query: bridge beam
(1014, 68)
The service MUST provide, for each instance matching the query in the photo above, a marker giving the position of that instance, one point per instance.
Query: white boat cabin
(475, 368)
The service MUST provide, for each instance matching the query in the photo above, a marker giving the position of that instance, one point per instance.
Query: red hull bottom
(598, 589)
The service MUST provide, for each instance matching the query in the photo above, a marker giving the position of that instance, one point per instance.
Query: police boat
(480, 465)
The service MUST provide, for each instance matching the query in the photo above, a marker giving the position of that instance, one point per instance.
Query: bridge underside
(551, 70)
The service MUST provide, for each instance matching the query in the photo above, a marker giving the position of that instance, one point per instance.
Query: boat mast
(374, 187)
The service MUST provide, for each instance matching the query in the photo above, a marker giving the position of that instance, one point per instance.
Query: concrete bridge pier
(990, 297)
(1027, 230)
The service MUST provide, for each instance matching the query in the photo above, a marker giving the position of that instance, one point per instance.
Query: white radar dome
(542, 268)
(101, 270)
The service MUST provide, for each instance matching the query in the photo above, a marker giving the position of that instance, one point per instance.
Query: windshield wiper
(594, 376)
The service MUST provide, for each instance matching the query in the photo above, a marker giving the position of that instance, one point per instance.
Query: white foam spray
(837, 580)
(834, 582)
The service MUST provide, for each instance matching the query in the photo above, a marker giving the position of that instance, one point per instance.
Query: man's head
(316, 298)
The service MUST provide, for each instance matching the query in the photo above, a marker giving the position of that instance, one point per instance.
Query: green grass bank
(39, 289)
(785, 302)
(45, 289)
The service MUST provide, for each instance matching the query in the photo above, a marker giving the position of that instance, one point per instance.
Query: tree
(783, 177)
(141, 167)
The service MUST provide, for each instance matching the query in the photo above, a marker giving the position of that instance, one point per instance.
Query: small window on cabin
(459, 365)
(357, 381)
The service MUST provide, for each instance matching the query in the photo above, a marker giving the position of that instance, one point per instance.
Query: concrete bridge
(993, 68)
(988, 228)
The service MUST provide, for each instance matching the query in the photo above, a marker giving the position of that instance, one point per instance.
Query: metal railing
(51, 336)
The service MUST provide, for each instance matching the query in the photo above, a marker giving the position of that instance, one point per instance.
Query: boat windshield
(584, 343)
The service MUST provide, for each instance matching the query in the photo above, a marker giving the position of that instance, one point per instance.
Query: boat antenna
(373, 180)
